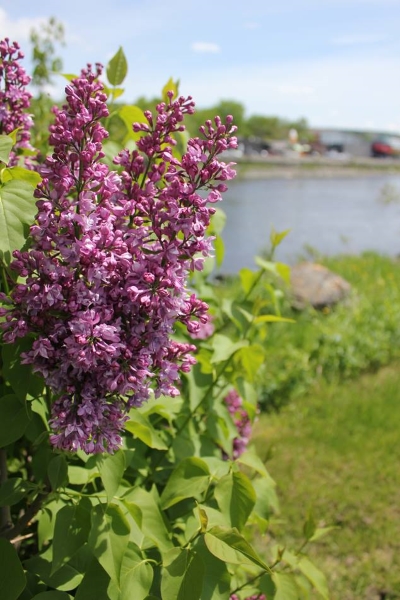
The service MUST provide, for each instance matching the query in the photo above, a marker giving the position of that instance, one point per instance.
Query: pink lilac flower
(204, 330)
(14, 98)
(242, 422)
(111, 253)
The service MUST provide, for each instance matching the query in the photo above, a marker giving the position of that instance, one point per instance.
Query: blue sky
(334, 62)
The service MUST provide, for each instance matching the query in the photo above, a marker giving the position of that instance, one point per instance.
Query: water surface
(332, 215)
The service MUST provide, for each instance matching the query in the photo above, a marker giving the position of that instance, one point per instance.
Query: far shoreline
(314, 167)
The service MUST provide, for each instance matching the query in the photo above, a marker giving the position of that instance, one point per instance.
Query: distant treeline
(258, 126)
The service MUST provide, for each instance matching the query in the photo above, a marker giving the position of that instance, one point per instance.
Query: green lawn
(337, 451)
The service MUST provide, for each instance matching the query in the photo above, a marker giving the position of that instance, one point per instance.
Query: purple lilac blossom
(242, 422)
(106, 274)
(14, 99)
(205, 330)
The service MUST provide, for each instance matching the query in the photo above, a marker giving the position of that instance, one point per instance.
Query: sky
(334, 62)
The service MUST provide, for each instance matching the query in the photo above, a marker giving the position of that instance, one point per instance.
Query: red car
(385, 145)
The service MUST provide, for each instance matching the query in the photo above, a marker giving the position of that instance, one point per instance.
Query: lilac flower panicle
(106, 274)
(14, 98)
(241, 420)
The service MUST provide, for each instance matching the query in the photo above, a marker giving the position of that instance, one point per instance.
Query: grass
(330, 427)
(336, 451)
(359, 335)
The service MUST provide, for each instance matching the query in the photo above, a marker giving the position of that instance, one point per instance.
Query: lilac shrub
(14, 98)
(242, 422)
(105, 278)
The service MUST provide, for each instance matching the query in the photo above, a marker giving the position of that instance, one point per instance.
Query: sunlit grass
(336, 451)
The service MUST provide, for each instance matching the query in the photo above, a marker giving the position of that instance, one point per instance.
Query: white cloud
(359, 38)
(18, 29)
(206, 47)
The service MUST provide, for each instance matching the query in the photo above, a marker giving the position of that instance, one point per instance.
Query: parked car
(385, 145)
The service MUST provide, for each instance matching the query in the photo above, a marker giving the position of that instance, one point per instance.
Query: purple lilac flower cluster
(242, 422)
(14, 99)
(106, 274)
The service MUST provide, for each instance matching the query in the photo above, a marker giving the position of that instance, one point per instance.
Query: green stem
(248, 582)
(48, 398)
(204, 398)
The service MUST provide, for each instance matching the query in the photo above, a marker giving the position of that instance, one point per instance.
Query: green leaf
(252, 460)
(114, 92)
(58, 471)
(129, 115)
(170, 86)
(108, 539)
(217, 579)
(277, 237)
(17, 212)
(251, 358)
(219, 249)
(69, 76)
(142, 428)
(286, 588)
(314, 575)
(199, 385)
(137, 581)
(111, 468)
(46, 521)
(224, 348)
(309, 526)
(13, 490)
(71, 531)
(248, 279)
(203, 519)
(12, 576)
(14, 419)
(53, 595)
(6, 144)
(31, 177)
(165, 406)
(189, 480)
(272, 319)
(218, 221)
(278, 269)
(267, 501)
(267, 586)
(231, 547)
(154, 526)
(182, 575)
(21, 377)
(95, 584)
(321, 532)
(135, 512)
(117, 68)
(236, 497)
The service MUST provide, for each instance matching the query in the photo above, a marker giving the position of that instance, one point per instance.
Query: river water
(332, 215)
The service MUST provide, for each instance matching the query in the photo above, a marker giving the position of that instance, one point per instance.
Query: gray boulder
(315, 285)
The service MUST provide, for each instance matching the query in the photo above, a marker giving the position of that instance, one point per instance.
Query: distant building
(357, 143)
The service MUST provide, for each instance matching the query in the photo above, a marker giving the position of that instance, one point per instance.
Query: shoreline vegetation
(280, 167)
(328, 429)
